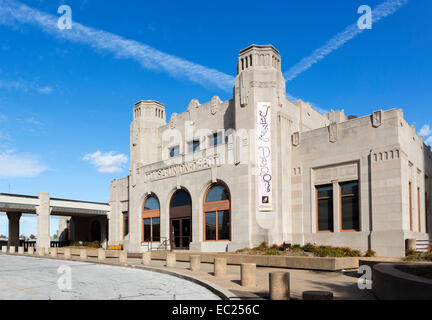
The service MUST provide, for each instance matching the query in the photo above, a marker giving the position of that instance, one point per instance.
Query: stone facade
(271, 156)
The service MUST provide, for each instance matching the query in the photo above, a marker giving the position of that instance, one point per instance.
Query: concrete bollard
(317, 295)
(20, 250)
(279, 285)
(171, 260)
(41, 251)
(248, 274)
(4, 249)
(83, 254)
(12, 249)
(146, 258)
(30, 250)
(101, 255)
(195, 262)
(67, 253)
(220, 267)
(53, 252)
(411, 244)
(123, 256)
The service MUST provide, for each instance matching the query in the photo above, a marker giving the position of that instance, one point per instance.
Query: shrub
(263, 246)
(412, 255)
(308, 247)
(272, 252)
(370, 253)
(277, 247)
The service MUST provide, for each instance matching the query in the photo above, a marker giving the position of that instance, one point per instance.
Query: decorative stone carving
(333, 132)
(377, 118)
(243, 92)
(173, 121)
(215, 102)
(296, 139)
(135, 134)
(193, 104)
(263, 84)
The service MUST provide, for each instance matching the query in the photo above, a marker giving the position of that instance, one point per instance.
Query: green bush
(308, 247)
(412, 255)
(370, 253)
(273, 252)
(94, 244)
(262, 247)
(329, 251)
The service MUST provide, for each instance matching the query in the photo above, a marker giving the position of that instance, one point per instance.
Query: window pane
(174, 152)
(217, 193)
(325, 191)
(151, 204)
(147, 230)
(349, 188)
(181, 198)
(194, 146)
(350, 213)
(325, 214)
(125, 223)
(215, 139)
(223, 225)
(156, 229)
(210, 225)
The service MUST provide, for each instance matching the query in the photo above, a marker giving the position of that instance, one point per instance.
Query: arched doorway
(95, 231)
(181, 219)
(151, 220)
(217, 213)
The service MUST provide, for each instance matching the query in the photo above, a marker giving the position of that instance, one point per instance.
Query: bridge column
(104, 233)
(43, 211)
(13, 239)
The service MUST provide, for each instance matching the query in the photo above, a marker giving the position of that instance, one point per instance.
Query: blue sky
(66, 100)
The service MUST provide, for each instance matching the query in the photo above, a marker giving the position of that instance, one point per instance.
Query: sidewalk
(342, 284)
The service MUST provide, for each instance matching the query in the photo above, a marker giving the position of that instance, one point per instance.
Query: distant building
(226, 175)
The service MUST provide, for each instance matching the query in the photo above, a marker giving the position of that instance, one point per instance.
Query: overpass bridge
(89, 220)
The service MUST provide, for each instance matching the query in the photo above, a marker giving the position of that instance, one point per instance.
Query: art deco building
(226, 175)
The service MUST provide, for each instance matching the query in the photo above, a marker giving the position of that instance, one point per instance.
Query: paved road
(25, 278)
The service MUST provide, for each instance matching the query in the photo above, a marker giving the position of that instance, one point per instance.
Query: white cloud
(45, 90)
(12, 11)
(425, 131)
(24, 86)
(13, 164)
(381, 11)
(107, 162)
(429, 141)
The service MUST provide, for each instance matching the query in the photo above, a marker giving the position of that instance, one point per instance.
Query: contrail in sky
(381, 11)
(12, 11)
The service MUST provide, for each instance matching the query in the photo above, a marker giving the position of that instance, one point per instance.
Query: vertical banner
(264, 157)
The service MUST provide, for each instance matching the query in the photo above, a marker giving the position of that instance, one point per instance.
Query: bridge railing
(60, 244)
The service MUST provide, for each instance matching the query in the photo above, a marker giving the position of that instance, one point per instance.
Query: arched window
(217, 213)
(151, 220)
(181, 198)
(181, 219)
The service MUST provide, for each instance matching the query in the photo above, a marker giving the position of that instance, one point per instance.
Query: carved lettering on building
(182, 168)
(261, 84)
